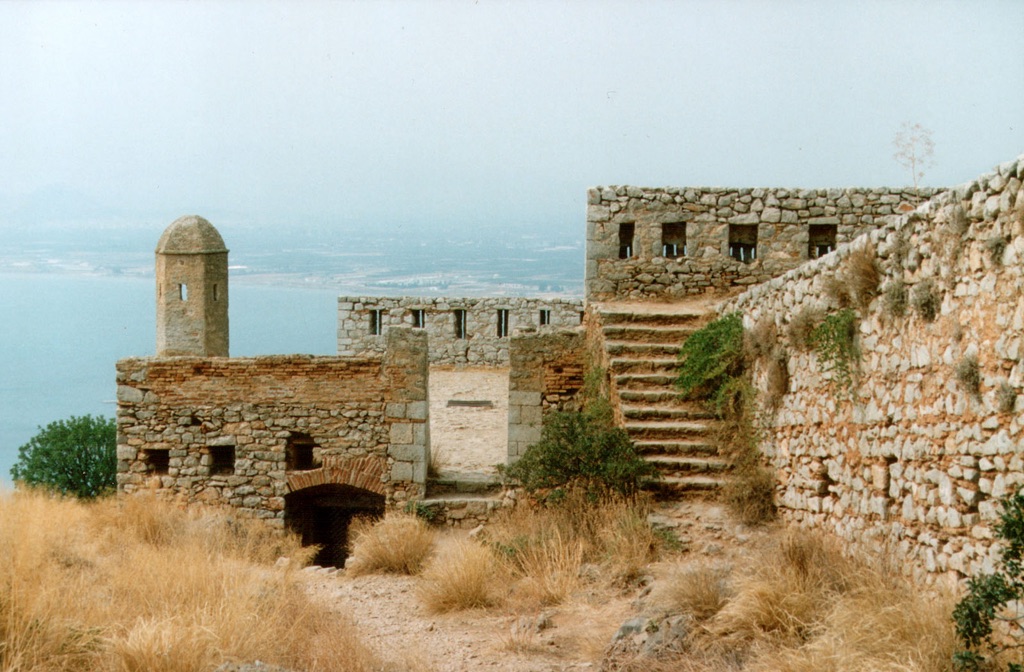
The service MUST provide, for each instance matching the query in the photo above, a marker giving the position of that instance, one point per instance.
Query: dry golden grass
(141, 585)
(464, 574)
(802, 325)
(699, 589)
(399, 543)
(804, 606)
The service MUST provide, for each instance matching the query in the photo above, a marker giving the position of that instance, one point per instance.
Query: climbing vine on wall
(835, 342)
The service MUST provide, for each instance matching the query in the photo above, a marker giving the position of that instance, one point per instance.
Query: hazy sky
(447, 113)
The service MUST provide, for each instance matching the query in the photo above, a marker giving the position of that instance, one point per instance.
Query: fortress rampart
(461, 331)
(914, 457)
(667, 243)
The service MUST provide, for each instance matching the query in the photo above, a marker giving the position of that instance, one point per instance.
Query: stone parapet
(461, 331)
(667, 243)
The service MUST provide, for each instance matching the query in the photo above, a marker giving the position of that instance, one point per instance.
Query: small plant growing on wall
(1006, 398)
(982, 617)
(896, 298)
(801, 327)
(862, 276)
(835, 342)
(711, 361)
(968, 374)
(926, 301)
(996, 246)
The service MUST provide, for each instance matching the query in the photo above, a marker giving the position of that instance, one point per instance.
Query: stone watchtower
(191, 290)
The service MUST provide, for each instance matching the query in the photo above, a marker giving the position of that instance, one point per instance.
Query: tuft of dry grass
(1006, 397)
(152, 588)
(968, 375)
(804, 606)
(399, 543)
(760, 341)
(896, 298)
(750, 494)
(464, 574)
(926, 300)
(802, 325)
(862, 276)
(777, 377)
(698, 589)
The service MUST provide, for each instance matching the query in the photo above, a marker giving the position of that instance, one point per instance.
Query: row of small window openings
(459, 321)
(742, 241)
(298, 457)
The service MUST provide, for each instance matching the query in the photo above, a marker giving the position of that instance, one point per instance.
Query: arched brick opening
(322, 515)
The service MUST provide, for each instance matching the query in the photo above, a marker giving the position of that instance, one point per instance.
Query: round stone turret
(191, 290)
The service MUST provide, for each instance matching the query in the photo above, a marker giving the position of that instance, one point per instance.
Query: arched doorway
(322, 514)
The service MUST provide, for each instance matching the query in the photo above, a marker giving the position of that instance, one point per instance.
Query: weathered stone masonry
(915, 461)
(666, 243)
(473, 331)
(245, 432)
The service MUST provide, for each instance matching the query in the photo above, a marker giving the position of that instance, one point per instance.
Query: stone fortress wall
(248, 431)
(461, 331)
(667, 243)
(916, 459)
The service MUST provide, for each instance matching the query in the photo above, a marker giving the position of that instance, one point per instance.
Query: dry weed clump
(464, 574)
(546, 548)
(87, 587)
(856, 282)
(802, 325)
(760, 341)
(399, 543)
(804, 606)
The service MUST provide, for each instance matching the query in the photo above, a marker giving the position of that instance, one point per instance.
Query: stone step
(447, 484)
(626, 365)
(633, 350)
(671, 465)
(645, 381)
(612, 317)
(681, 487)
(665, 429)
(634, 333)
(680, 447)
(654, 397)
(682, 410)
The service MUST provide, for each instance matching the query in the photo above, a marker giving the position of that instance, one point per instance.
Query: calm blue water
(60, 336)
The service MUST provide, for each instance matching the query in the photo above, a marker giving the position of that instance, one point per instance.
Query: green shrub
(926, 301)
(896, 298)
(77, 456)
(582, 449)
(711, 359)
(988, 595)
(835, 343)
(968, 374)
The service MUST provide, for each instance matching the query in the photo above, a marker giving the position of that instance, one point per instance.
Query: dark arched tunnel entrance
(322, 514)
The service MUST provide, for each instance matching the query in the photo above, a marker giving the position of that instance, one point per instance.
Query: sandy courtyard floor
(469, 434)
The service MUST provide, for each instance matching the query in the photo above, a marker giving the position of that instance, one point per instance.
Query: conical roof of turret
(190, 234)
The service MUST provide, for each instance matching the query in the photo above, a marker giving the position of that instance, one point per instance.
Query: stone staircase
(672, 433)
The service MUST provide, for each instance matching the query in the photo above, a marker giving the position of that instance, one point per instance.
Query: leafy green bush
(836, 346)
(988, 594)
(582, 449)
(77, 456)
(711, 360)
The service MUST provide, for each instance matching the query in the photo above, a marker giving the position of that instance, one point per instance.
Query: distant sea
(61, 334)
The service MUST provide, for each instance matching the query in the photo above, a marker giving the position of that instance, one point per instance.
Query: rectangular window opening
(418, 318)
(459, 317)
(743, 242)
(157, 460)
(216, 292)
(626, 232)
(183, 292)
(503, 323)
(545, 317)
(222, 460)
(821, 239)
(376, 321)
(298, 452)
(673, 240)
(583, 316)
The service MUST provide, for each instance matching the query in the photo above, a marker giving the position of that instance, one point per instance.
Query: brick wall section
(368, 418)
(545, 373)
(914, 462)
(482, 345)
(782, 218)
